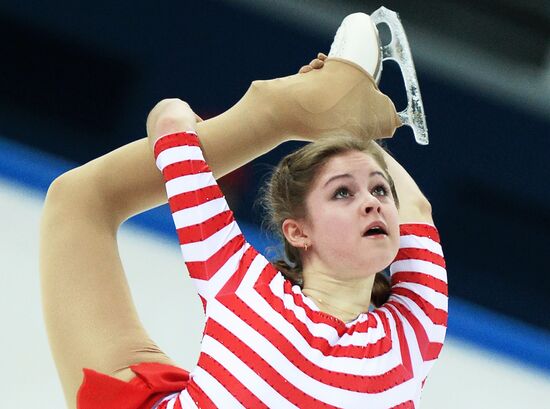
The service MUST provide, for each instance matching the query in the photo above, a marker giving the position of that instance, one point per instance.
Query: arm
(413, 205)
(418, 273)
(211, 242)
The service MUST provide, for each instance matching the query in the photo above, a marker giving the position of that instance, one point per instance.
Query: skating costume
(265, 344)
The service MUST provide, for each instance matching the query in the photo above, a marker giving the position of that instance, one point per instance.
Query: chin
(381, 261)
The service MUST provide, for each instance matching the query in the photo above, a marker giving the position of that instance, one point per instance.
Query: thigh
(89, 313)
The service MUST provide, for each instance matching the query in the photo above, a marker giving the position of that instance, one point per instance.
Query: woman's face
(352, 221)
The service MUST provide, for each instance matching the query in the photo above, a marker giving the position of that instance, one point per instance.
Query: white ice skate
(357, 40)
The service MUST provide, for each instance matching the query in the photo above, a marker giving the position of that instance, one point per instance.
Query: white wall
(464, 377)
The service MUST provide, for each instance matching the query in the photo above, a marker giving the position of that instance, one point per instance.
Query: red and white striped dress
(265, 344)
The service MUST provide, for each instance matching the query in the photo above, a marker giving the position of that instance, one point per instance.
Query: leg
(89, 314)
(90, 317)
(341, 97)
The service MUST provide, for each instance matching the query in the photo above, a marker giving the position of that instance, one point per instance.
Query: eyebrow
(347, 175)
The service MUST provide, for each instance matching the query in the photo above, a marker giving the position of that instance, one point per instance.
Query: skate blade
(399, 51)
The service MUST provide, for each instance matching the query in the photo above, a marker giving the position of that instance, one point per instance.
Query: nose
(371, 204)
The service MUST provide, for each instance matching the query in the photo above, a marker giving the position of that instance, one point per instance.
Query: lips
(376, 228)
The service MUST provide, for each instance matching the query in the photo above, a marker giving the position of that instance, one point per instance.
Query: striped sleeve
(211, 242)
(419, 287)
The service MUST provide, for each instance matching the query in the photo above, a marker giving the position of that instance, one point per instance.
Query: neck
(342, 298)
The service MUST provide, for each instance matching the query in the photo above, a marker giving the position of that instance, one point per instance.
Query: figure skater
(318, 329)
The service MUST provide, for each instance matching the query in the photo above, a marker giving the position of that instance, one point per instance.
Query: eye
(380, 190)
(342, 193)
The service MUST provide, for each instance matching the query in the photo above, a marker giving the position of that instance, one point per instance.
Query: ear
(294, 233)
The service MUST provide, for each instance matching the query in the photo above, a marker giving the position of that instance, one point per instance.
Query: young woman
(300, 337)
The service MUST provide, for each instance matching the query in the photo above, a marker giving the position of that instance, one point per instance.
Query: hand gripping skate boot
(357, 41)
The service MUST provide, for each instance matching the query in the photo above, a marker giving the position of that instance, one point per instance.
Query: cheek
(332, 231)
(335, 229)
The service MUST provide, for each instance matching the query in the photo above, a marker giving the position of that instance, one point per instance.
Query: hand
(170, 116)
(316, 63)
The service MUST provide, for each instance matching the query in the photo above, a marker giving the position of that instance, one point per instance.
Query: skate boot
(357, 41)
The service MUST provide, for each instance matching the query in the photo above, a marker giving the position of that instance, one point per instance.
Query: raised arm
(414, 207)
(419, 291)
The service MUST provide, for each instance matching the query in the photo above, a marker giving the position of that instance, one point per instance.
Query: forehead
(354, 162)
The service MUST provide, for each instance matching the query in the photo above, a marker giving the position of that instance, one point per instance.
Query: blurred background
(77, 80)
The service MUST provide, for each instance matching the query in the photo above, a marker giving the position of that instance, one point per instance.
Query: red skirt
(153, 382)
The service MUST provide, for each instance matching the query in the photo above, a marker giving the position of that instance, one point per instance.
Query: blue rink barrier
(491, 331)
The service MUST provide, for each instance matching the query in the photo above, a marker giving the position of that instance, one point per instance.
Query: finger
(322, 56)
(198, 118)
(317, 64)
(304, 69)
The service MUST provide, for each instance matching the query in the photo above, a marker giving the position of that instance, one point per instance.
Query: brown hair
(286, 190)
